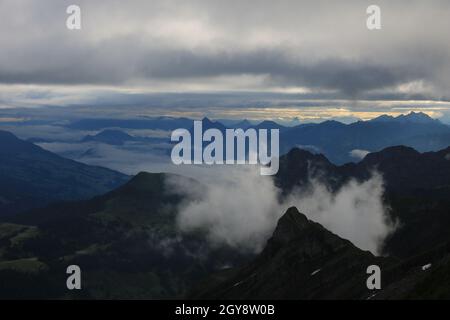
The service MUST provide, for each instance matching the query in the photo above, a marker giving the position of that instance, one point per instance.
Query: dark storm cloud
(346, 76)
(229, 45)
(96, 65)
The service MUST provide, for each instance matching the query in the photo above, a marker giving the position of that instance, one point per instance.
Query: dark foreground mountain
(126, 243)
(32, 177)
(417, 190)
(404, 169)
(303, 260)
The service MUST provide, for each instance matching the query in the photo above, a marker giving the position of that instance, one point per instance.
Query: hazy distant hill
(31, 176)
(109, 136)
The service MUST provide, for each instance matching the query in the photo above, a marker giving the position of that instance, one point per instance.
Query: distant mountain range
(340, 143)
(413, 117)
(337, 141)
(31, 177)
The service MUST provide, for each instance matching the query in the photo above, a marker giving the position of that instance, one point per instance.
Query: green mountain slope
(126, 242)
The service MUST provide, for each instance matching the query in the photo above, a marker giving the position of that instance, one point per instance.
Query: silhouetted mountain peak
(143, 176)
(208, 124)
(144, 182)
(113, 133)
(298, 262)
(383, 118)
(396, 153)
(269, 124)
(244, 124)
(298, 166)
(332, 123)
(5, 136)
(10, 144)
(290, 225)
(412, 117)
(302, 154)
(297, 158)
(110, 136)
(416, 117)
(206, 119)
(294, 226)
(32, 176)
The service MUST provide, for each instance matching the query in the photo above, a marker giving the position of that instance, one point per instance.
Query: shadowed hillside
(32, 177)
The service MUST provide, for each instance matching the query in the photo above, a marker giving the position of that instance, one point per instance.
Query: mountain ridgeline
(417, 189)
(336, 140)
(32, 177)
(340, 143)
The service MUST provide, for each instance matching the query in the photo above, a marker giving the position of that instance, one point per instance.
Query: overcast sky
(321, 51)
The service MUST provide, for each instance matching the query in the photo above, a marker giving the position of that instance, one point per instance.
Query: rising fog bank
(240, 208)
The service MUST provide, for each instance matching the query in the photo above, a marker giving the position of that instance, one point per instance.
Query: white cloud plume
(240, 208)
(359, 154)
(355, 212)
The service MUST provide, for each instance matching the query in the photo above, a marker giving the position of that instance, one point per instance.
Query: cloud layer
(314, 45)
